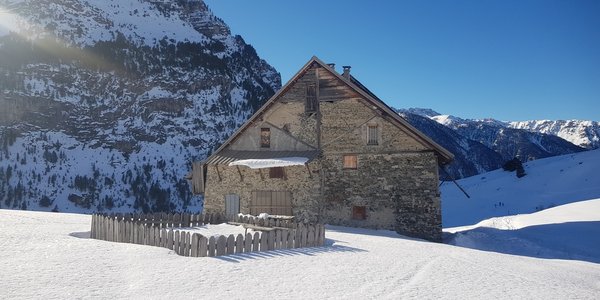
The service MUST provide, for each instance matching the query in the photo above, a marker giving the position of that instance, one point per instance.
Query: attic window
(359, 212)
(276, 172)
(311, 98)
(265, 137)
(350, 162)
(372, 135)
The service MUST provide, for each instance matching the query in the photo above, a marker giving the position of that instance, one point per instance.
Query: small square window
(265, 137)
(276, 172)
(372, 135)
(350, 162)
(359, 213)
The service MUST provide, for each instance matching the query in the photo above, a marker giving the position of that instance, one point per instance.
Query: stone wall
(303, 185)
(399, 191)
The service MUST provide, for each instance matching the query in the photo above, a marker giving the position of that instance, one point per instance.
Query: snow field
(48, 255)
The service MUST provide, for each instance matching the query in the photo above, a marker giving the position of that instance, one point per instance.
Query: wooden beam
(240, 172)
(218, 173)
(308, 169)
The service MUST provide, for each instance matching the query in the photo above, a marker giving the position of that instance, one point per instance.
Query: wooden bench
(256, 228)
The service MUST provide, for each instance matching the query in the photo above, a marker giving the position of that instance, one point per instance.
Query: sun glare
(8, 21)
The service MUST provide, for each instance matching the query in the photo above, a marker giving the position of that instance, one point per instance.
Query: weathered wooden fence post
(239, 243)
(221, 244)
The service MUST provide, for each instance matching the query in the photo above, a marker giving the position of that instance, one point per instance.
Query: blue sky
(509, 60)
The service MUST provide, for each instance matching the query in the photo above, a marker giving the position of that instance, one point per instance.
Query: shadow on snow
(572, 240)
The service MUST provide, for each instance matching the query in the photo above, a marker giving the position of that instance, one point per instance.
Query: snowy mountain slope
(549, 182)
(104, 104)
(490, 136)
(470, 157)
(569, 231)
(581, 133)
(357, 264)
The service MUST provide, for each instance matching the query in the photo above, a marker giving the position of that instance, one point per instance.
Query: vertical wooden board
(317, 234)
(150, 236)
(303, 237)
(157, 241)
(322, 236)
(186, 244)
(170, 239)
(256, 242)
(221, 244)
(163, 238)
(176, 237)
(264, 241)
(277, 239)
(92, 227)
(194, 245)
(298, 236)
(212, 245)
(310, 241)
(202, 246)
(169, 220)
(230, 244)
(248, 243)
(186, 220)
(284, 237)
(206, 219)
(291, 237)
(271, 240)
(239, 243)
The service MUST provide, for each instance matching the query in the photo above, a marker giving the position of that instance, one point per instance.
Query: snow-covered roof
(270, 162)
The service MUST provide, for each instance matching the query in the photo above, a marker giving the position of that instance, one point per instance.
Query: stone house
(324, 148)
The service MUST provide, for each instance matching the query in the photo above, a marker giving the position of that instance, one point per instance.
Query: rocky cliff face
(103, 104)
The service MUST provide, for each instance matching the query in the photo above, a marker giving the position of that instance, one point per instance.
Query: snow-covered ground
(48, 256)
(570, 231)
(549, 182)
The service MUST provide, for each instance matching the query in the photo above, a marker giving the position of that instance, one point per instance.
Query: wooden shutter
(271, 202)
(232, 204)
(359, 212)
(350, 162)
(198, 177)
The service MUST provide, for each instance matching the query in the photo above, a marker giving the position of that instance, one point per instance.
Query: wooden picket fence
(160, 230)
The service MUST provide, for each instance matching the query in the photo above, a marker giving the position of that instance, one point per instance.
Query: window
(265, 138)
(276, 172)
(359, 213)
(350, 161)
(372, 135)
(311, 98)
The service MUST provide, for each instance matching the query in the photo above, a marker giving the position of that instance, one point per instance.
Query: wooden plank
(157, 236)
(322, 237)
(170, 239)
(303, 238)
(163, 238)
(284, 239)
(310, 240)
(221, 244)
(212, 245)
(248, 243)
(277, 239)
(195, 239)
(291, 237)
(298, 236)
(150, 230)
(186, 244)
(230, 244)
(202, 246)
(271, 240)
(264, 241)
(176, 241)
(239, 243)
(256, 242)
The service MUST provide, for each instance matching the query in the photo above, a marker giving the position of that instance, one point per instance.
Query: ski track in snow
(48, 259)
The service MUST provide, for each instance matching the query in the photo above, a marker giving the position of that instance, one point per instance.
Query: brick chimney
(346, 73)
